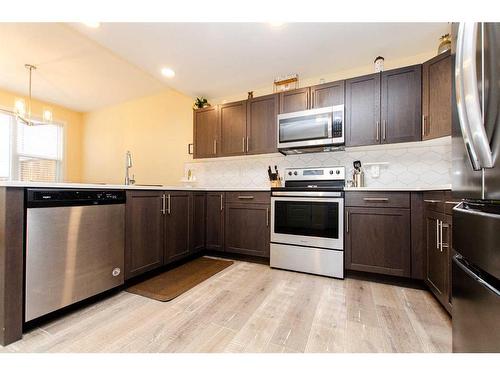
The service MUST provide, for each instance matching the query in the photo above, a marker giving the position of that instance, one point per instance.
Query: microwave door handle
(330, 125)
(472, 104)
(459, 92)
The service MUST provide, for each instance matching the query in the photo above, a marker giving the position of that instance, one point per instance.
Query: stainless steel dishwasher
(74, 246)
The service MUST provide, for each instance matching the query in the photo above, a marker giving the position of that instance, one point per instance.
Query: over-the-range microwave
(312, 128)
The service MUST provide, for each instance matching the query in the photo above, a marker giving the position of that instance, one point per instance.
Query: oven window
(318, 219)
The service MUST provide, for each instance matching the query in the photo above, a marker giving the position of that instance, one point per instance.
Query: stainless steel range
(307, 221)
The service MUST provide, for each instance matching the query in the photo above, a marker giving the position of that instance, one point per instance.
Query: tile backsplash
(417, 164)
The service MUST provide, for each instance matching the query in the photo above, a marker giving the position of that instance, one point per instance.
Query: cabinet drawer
(377, 199)
(248, 197)
(449, 202)
(434, 201)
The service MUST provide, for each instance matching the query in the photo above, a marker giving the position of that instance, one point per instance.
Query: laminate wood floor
(253, 308)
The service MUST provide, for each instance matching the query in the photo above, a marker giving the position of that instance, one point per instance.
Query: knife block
(276, 183)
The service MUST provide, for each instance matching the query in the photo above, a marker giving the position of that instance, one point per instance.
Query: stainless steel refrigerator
(476, 180)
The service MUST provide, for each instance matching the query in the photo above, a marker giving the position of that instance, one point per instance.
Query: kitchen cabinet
(327, 94)
(362, 110)
(206, 135)
(401, 105)
(261, 124)
(199, 221)
(436, 96)
(144, 232)
(233, 125)
(215, 221)
(438, 243)
(295, 100)
(247, 223)
(178, 225)
(378, 240)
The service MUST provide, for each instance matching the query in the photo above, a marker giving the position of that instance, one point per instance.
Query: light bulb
(20, 107)
(47, 115)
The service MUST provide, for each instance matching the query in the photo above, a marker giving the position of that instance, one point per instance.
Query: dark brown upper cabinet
(295, 100)
(233, 125)
(178, 225)
(436, 97)
(327, 94)
(262, 115)
(215, 221)
(362, 110)
(144, 232)
(206, 135)
(401, 105)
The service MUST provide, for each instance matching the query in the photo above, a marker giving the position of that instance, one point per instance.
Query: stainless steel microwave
(311, 128)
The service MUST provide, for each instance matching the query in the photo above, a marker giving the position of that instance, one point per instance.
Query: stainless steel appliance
(476, 179)
(313, 130)
(74, 246)
(307, 221)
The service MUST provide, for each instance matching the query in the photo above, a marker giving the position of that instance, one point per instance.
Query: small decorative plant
(201, 102)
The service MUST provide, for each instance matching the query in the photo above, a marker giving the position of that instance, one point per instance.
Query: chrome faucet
(128, 165)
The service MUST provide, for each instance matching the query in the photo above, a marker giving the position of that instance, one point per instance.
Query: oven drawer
(377, 199)
(248, 197)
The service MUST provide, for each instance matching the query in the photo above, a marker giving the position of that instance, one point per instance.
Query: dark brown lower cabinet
(199, 219)
(178, 225)
(144, 232)
(215, 221)
(247, 228)
(378, 240)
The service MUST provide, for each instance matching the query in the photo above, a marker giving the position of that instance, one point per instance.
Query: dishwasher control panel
(72, 197)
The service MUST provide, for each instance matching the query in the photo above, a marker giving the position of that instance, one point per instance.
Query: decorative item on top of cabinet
(285, 83)
(144, 231)
(401, 104)
(436, 97)
(445, 43)
(262, 112)
(379, 64)
(200, 102)
(233, 125)
(206, 132)
(215, 221)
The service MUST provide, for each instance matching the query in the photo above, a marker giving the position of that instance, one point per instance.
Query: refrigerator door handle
(470, 110)
(460, 262)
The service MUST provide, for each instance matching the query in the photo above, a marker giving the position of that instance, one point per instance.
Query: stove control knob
(289, 173)
(337, 171)
(331, 171)
(295, 173)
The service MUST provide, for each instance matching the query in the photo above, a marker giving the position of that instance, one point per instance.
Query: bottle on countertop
(358, 176)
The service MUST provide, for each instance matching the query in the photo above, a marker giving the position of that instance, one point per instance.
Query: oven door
(308, 221)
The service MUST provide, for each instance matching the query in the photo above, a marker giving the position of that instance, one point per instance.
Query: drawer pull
(376, 199)
(245, 196)
(432, 201)
(452, 202)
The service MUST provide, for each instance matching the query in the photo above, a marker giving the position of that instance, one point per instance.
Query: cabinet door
(362, 112)
(144, 232)
(178, 225)
(294, 100)
(247, 229)
(436, 97)
(233, 124)
(199, 216)
(378, 240)
(436, 257)
(206, 132)
(261, 124)
(215, 221)
(327, 94)
(401, 104)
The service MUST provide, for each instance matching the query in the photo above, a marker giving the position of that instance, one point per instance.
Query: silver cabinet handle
(267, 216)
(460, 262)
(169, 206)
(248, 143)
(443, 245)
(384, 130)
(440, 236)
(347, 222)
(423, 126)
(243, 144)
(215, 146)
(437, 234)
(221, 204)
(377, 124)
(376, 199)
(245, 196)
(452, 202)
(432, 201)
(163, 204)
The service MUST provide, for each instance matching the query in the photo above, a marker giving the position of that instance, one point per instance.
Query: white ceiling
(73, 71)
(86, 69)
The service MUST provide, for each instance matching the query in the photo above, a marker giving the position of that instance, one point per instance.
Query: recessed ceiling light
(167, 72)
(93, 25)
(276, 24)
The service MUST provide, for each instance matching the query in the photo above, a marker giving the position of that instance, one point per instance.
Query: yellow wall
(156, 129)
(73, 122)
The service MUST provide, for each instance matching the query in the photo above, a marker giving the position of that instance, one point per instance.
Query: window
(30, 153)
